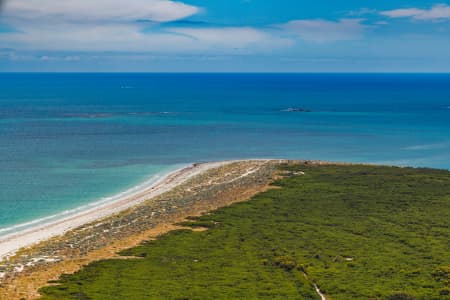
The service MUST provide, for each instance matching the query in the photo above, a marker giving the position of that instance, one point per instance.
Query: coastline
(267, 245)
(65, 247)
(39, 256)
(44, 230)
(11, 243)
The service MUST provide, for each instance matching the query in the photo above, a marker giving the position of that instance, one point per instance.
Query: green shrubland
(357, 232)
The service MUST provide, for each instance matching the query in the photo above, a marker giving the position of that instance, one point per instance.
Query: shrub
(286, 262)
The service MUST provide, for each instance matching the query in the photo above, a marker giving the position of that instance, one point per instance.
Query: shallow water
(67, 140)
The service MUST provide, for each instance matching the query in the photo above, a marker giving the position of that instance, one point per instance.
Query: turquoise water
(67, 140)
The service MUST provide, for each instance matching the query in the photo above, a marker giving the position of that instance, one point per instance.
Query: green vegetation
(358, 232)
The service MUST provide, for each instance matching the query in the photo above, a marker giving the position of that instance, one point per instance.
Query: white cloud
(113, 37)
(96, 10)
(130, 38)
(321, 31)
(110, 25)
(437, 12)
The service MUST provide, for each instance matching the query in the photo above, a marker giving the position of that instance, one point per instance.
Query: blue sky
(225, 36)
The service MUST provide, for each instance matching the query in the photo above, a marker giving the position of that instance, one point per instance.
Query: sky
(224, 36)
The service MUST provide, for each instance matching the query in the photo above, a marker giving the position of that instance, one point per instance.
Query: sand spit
(66, 245)
(13, 242)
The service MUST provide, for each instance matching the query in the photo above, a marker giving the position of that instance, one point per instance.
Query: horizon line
(229, 72)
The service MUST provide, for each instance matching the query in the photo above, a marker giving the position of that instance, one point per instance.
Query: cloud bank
(128, 38)
(115, 25)
(166, 26)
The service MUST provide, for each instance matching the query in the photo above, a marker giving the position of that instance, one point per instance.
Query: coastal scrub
(355, 232)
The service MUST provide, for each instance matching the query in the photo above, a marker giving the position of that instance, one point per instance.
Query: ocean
(68, 140)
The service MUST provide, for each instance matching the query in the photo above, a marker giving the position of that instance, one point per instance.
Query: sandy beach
(40, 254)
(11, 243)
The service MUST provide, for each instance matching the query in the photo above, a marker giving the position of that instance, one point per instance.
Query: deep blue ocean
(70, 139)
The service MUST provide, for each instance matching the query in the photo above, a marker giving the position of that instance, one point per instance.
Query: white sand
(9, 244)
